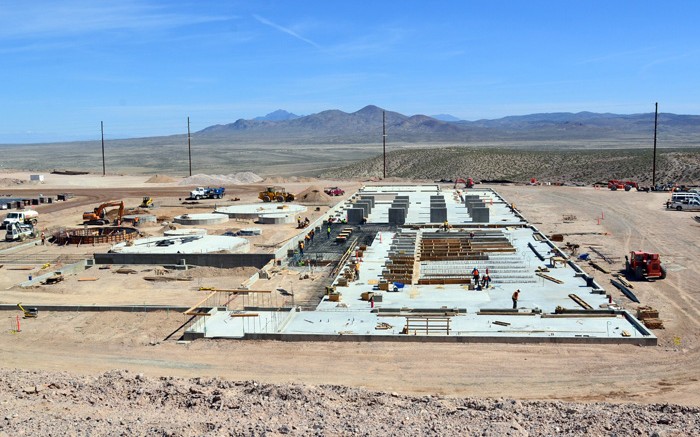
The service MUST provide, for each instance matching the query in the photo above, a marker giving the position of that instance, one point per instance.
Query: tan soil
(160, 179)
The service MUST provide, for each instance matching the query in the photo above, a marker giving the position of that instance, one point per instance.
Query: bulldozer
(97, 215)
(278, 194)
(644, 265)
(147, 202)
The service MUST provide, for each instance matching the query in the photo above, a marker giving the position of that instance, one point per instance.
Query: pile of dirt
(214, 272)
(245, 177)
(160, 179)
(314, 195)
(120, 402)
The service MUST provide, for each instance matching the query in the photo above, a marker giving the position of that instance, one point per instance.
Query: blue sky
(144, 66)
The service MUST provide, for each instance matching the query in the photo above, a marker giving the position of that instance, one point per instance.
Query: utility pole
(384, 140)
(102, 128)
(653, 168)
(189, 144)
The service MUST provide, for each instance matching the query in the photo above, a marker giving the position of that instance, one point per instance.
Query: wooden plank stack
(650, 317)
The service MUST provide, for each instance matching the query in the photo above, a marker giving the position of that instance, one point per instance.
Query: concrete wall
(640, 341)
(221, 260)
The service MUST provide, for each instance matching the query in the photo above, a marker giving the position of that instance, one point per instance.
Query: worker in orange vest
(516, 295)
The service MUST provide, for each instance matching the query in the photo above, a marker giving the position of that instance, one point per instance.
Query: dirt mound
(313, 194)
(245, 177)
(214, 272)
(120, 402)
(160, 179)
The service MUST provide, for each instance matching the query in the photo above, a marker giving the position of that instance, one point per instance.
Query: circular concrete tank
(274, 219)
(185, 244)
(253, 211)
(200, 219)
(184, 232)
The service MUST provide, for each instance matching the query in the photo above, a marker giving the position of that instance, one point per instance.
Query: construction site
(392, 264)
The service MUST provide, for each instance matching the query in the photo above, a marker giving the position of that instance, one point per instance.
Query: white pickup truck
(687, 205)
(28, 216)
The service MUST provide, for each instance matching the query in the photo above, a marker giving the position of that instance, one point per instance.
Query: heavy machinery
(469, 183)
(644, 265)
(28, 216)
(147, 202)
(19, 231)
(207, 193)
(334, 191)
(278, 194)
(98, 217)
(615, 185)
(30, 313)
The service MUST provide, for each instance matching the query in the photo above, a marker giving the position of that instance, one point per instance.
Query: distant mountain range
(365, 126)
(334, 127)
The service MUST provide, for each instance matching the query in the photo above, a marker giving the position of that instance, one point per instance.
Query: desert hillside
(573, 166)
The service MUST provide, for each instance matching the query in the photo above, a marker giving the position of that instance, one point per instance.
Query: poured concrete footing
(200, 219)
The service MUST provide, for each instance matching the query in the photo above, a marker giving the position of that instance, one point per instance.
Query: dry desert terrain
(116, 372)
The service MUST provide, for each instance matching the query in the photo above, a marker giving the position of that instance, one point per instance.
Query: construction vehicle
(147, 202)
(19, 231)
(28, 216)
(469, 183)
(207, 193)
(334, 191)
(98, 217)
(615, 185)
(278, 194)
(644, 265)
(31, 313)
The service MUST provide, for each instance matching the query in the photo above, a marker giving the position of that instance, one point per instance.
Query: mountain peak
(278, 115)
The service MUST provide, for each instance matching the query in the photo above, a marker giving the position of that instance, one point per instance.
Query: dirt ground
(611, 222)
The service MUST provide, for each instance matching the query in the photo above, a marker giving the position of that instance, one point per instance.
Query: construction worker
(357, 270)
(446, 226)
(328, 232)
(301, 247)
(43, 238)
(516, 296)
(475, 275)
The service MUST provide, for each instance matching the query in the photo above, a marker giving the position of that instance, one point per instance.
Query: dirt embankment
(121, 402)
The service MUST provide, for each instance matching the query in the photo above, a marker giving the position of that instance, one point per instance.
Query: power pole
(189, 144)
(653, 167)
(102, 128)
(384, 140)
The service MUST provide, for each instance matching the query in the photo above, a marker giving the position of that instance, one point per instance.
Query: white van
(685, 197)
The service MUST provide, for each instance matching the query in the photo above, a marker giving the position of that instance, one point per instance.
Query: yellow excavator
(30, 313)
